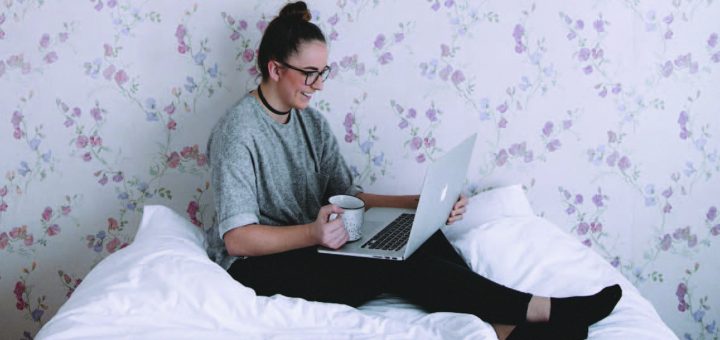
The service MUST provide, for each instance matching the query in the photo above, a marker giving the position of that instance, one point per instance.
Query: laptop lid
(443, 184)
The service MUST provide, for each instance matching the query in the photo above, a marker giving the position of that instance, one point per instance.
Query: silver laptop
(395, 234)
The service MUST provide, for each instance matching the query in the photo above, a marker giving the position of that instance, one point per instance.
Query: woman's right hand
(330, 234)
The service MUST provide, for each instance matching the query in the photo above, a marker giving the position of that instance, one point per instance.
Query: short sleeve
(233, 179)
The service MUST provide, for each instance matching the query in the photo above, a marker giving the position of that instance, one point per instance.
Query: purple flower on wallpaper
(596, 227)
(435, 6)
(571, 36)
(378, 159)
(582, 228)
(252, 71)
(517, 149)
(711, 214)
(502, 123)
(584, 54)
(242, 25)
(366, 146)
(379, 41)
(570, 209)
(588, 69)
(412, 113)
(579, 25)
(45, 40)
(444, 74)
(458, 77)
(234, 36)
(248, 55)
(350, 137)
(597, 53)
(333, 20)
(24, 169)
(96, 113)
(403, 123)
(598, 199)
(666, 242)
(385, 58)
(667, 69)
(34, 143)
(420, 158)
(3, 191)
(501, 158)
(444, 50)
(610, 160)
(46, 156)
(416, 143)
(429, 142)
(578, 199)
(37, 314)
(667, 192)
(603, 93)
(548, 129)
(50, 57)
(518, 32)
(715, 230)
(587, 243)
(103, 180)
(121, 77)
(683, 118)
(431, 114)
(449, 3)
(199, 58)
(712, 40)
(87, 157)
(668, 35)
(624, 163)
(599, 25)
(553, 145)
(213, 71)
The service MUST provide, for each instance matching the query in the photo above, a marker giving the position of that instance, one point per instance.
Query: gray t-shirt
(265, 172)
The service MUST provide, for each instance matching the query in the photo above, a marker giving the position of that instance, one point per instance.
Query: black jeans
(436, 278)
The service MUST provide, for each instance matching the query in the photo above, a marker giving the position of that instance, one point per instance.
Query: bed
(163, 286)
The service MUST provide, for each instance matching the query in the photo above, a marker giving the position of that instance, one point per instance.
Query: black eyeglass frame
(324, 73)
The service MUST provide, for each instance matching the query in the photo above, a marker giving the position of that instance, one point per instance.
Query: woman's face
(311, 56)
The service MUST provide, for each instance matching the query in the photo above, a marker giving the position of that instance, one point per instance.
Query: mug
(353, 215)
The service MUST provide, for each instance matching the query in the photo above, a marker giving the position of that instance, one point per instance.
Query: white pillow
(501, 238)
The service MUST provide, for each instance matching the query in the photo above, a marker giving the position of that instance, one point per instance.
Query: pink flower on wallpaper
(248, 55)
(87, 157)
(458, 77)
(3, 191)
(596, 227)
(261, 25)
(588, 69)
(253, 71)
(612, 159)
(121, 77)
(420, 158)
(111, 3)
(113, 224)
(180, 32)
(47, 214)
(170, 109)
(50, 57)
(445, 72)
(666, 242)
(554, 145)
(429, 142)
(192, 209)
(582, 228)
(171, 124)
(548, 129)
(242, 25)
(45, 40)
(403, 123)
(431, 114)
(333, 20)
(103, 180)
(95, 140)
(4, 240)
(96, 113)
(53, 230)
(502, 108)
(501, 158)
(3, 206)
(174, 160)
(234, 36)
(65, 209)
(624, 163)
(502, 123)
(76, 112)
(99, 6)
(201, 160)
(63, 36)
(108, 50)
(81, 141)
(112, 246)
(416, 143)
(444, 50)
(385, 58)
(108, 72)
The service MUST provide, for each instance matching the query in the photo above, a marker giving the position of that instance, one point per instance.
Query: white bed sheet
(163, 286)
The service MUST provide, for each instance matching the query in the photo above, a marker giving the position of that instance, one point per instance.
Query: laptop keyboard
(394, 236)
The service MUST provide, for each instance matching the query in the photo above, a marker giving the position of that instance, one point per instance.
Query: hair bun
(296, 10)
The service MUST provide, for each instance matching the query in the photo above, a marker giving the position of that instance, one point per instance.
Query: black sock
(584, 310)
(544, 330)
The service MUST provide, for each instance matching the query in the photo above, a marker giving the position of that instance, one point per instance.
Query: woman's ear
(273, 70)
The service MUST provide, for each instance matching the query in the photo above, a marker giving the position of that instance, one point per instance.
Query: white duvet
(163, 286)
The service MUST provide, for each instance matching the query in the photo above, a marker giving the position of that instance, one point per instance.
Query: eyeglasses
(311, 76)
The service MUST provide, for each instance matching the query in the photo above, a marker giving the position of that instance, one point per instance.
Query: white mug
(352, 217)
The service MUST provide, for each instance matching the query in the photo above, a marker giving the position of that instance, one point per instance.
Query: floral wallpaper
(606, 112)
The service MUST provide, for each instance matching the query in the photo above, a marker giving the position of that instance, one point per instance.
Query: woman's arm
(411, 202)
(258, 239)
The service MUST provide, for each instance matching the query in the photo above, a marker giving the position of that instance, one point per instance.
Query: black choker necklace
(262, 99)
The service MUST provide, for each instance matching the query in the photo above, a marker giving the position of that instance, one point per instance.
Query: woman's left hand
(458, 210)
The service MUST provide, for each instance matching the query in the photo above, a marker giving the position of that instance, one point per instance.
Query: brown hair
(285, 33)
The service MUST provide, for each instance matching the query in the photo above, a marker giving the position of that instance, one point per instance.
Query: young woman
(275, 162)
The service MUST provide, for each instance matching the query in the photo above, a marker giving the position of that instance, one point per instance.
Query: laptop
(395, 234)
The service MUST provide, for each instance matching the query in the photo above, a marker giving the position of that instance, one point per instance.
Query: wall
(606, 111)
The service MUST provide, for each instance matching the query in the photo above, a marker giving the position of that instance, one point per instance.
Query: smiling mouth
(306, 94)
